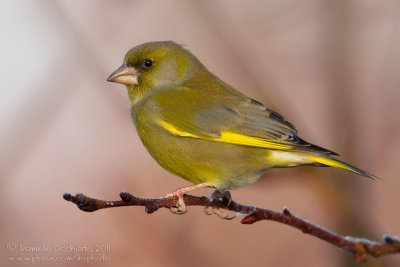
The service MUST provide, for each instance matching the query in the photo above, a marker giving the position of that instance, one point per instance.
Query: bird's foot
(226, 198)
(180, 192)
(181, 206)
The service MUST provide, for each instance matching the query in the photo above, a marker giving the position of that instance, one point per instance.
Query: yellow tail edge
(330, 161)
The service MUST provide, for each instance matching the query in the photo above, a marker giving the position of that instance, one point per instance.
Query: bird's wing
(225, 118)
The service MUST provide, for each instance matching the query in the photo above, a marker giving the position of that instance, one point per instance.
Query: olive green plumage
(203, 130)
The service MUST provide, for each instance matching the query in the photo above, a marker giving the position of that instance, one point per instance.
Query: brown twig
(360, 247)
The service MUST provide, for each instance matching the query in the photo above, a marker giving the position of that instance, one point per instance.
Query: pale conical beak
(125, 75)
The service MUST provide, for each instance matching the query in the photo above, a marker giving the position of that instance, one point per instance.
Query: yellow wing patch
(244, 140)
(229, 137)
(172, 129)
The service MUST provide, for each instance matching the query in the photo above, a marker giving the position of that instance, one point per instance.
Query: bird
(200, 128)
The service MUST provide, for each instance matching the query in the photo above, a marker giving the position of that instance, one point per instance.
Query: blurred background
(330, 67)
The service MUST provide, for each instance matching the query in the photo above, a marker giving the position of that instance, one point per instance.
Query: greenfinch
(200, 128)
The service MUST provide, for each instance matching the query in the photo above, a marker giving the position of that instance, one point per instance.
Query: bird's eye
(148, 63)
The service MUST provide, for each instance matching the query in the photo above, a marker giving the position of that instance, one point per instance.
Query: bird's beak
(125, 75)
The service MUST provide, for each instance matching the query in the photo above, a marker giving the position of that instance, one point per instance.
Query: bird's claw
(217, 211)
(226, 198)
(177, 210)
(180, 208)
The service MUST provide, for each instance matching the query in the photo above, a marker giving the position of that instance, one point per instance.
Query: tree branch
(360, 247)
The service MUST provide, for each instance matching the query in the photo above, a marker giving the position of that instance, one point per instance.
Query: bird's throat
(134, 94)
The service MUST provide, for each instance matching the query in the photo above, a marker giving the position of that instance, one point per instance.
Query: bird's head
(153, 65)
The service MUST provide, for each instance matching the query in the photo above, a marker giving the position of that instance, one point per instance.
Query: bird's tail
(326, 160)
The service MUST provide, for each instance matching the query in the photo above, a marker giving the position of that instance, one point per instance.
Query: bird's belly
(224, 166)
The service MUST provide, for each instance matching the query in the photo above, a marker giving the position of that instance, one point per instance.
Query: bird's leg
(181, 207)
(226, 198)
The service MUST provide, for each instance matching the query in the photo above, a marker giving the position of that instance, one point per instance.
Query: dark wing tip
(278, 117)
(275, 116)
(292, 132)
(315, 147)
